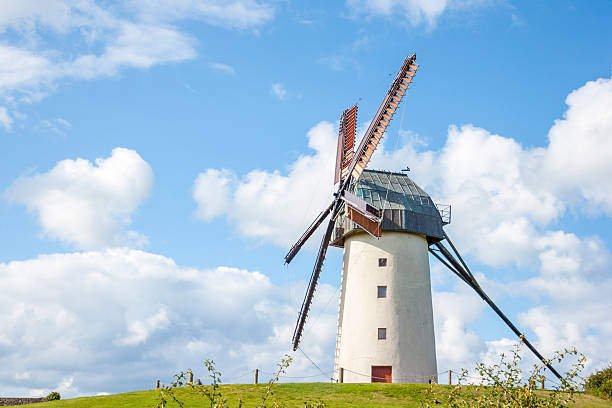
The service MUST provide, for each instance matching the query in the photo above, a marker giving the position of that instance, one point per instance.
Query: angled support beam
(461, 269)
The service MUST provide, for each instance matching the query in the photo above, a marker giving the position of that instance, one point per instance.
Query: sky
(157, 161)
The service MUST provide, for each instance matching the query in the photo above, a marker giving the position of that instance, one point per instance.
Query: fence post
(157, 385)
(190, 377)
(341, 375)
(450, 377)
(256, 376)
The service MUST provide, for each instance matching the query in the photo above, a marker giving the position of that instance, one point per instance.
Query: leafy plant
(166, 392)
(600, 383)
(282, 368)
(212, 392)
(504, 385)
(54, 396)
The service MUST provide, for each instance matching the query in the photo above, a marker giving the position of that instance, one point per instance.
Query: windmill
(387, 226)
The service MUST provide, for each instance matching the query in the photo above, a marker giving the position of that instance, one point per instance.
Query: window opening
(382, 262)
(382, 292)
(382, 333)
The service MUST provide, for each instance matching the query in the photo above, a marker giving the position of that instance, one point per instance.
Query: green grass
(291, 395)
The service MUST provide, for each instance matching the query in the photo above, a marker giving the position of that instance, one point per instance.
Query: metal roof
(393, 191)
(405, 206)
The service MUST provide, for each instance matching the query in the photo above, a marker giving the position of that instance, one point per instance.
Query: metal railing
(445, 213)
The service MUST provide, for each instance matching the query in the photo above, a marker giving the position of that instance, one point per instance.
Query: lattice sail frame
(384, 115)
(346, 143)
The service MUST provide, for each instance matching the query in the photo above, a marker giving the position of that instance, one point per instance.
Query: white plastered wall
(406, 312)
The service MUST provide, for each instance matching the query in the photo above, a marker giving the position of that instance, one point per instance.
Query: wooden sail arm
(381, 119)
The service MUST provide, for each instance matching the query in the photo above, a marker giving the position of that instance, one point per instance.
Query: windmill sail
(350, 164)
(312, 285)
(346, 143)
(383, 116)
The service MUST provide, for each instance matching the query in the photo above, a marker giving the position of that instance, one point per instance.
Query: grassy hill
(291, 395)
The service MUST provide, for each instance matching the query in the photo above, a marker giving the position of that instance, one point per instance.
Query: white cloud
(136, 46)
(212, 192)
(107, 38)
(118, 309)
(87, 204)
(5, 120)
(238, 14)
(223, 68)
(416, 11)
(278, 90)
(140, 330)
(270, 205)
(453, 312)
(23, 70)
(579, 157)
(503, 195)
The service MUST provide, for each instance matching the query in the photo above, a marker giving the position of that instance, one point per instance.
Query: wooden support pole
(450, 377)
(341, 375)
(542, 383)
(256, 376)
(190, 377)
(157, 385)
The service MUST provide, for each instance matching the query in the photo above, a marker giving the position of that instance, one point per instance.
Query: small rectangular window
(382, 262)
(382, 291)
(382, 333)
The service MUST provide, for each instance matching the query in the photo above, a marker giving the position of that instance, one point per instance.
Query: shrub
(504, 385)
(54, 396)
(212, 393)
(600, 383)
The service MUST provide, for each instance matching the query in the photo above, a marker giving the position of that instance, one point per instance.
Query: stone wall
(5, 402)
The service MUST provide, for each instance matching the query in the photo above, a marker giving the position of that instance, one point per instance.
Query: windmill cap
(406, 206)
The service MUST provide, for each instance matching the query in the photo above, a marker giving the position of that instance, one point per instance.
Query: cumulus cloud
(578, 158)
(212, 192)
(87, 204)
(140, 330)
(139, 34)
(503, 195)
(118, 311)
(270, 205)
(453, 312)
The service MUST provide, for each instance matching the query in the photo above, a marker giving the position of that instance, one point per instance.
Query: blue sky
(158, 161)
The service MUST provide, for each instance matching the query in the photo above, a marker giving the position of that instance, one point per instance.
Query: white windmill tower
(385, 321)
(387, 226)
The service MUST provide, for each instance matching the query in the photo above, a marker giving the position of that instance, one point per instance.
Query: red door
(381, 374)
